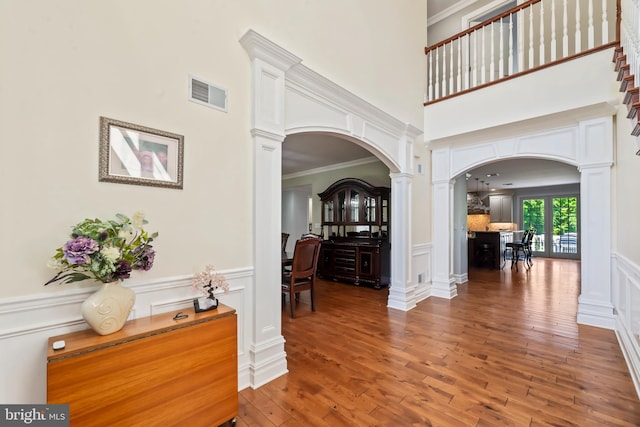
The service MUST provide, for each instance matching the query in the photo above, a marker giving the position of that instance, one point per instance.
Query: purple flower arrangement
(104, 250)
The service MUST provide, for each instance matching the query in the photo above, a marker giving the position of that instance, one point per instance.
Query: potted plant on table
(207, 282)
(105, 251)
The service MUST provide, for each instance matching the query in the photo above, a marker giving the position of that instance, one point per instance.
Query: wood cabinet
(155, 371)
(355, 224)
(486, 248)
(501, 208)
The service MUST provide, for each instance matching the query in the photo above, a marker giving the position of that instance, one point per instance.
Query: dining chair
(302, 275)
(515, 248)
(311, 236)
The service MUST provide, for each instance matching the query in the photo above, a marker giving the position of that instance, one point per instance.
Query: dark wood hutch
(355, 225)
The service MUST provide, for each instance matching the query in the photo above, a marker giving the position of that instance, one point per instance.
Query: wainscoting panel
(27, 323)
(626, 300)
(421, 270)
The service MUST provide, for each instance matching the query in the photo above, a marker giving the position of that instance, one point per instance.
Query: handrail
(482, 24)
(523, 39)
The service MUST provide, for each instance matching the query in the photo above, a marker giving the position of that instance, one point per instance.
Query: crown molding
(258, 46)
(365, 161)
(456, 7)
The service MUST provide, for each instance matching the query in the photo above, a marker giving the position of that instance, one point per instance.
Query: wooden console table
(155, 371)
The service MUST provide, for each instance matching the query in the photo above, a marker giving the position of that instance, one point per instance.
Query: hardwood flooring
(505, 352)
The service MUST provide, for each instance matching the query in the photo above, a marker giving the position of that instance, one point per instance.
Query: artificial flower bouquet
(105, 251)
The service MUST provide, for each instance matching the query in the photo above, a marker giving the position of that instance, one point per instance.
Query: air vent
(205, 93)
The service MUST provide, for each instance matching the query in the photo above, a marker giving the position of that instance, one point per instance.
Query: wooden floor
(505, 352)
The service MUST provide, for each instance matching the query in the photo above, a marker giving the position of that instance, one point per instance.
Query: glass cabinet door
(342, 207)
(328, 211)
(370, 209)
(385, 211)
(354, 205)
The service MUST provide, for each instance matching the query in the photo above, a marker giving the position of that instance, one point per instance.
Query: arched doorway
(288, 98)
(311, 161)
(589, 146)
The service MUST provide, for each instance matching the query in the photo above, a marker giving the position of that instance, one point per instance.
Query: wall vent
(202, 92)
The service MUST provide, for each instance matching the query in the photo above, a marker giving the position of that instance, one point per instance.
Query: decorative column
(595, 155)
(402, 293)
(269, 64)
(442, 281)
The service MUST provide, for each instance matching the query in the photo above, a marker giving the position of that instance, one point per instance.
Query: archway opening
(311, 163)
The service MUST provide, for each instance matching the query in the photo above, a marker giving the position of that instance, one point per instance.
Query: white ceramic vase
(108, 309)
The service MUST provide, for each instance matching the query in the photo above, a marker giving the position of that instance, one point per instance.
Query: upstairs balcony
(533, 61)
(531, 36)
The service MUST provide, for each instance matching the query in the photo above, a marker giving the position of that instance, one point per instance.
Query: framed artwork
(133, 154)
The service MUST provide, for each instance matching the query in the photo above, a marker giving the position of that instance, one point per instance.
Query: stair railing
(629, 35)
(526, 38)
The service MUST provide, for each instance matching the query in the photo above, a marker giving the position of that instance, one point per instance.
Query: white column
(268, 66)
(595, 307)
(460, 251)
(402, 292)
(443, 283)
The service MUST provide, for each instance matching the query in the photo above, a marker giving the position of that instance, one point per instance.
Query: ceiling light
(489, 175)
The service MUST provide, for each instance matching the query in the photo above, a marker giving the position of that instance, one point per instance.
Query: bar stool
(514, 249)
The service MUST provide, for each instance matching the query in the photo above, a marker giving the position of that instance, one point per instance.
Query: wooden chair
(303, 272)
(311, 236)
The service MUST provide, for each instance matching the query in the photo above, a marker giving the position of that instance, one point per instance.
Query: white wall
(66, 63)
(295, 209)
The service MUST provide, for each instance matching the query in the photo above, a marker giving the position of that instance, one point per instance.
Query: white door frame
(589, 146)
(288, 98)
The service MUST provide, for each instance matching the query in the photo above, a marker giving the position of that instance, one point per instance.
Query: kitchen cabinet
(501, 208)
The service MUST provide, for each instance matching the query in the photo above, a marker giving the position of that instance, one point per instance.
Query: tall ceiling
(309, 151)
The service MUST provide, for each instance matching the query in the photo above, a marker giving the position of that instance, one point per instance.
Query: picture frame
(204, 304)
(139, 155)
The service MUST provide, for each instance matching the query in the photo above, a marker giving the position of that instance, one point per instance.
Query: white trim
(469, 17)
(344, 165)
(421, 264)
(27, 322)
(305, 101)
(626, 296)
(589, 145)
(454, 8)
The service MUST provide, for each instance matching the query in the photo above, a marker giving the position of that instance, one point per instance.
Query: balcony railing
(531, 36)
(630, 36)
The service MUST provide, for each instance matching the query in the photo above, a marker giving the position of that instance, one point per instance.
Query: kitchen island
(486, 248)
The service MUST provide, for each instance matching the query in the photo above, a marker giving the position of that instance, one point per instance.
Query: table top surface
(88, 340)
